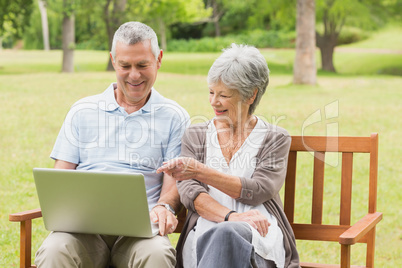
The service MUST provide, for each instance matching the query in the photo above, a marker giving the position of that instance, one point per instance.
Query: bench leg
(25, 243)
(370, 248)
(345, 256)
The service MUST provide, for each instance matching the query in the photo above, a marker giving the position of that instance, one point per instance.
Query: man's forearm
(169, 194)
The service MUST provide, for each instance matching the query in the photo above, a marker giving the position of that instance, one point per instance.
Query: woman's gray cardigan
(263, 187)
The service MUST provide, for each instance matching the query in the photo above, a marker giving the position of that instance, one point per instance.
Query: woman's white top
(242, 164)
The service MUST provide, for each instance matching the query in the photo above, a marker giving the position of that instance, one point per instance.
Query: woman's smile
(220, 112)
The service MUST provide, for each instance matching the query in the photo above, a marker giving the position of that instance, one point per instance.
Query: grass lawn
(35, 98)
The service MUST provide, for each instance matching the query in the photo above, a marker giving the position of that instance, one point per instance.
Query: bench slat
(290, 187)
(318, 188)
(373, 173)
(331, 144)
(346, 189)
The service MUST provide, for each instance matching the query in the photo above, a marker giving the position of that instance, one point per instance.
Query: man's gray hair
(133, 32)
(242, 68)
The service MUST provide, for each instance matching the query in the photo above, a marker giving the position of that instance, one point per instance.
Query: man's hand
(167, 221)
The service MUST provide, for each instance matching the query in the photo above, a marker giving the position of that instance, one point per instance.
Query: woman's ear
(251, 100)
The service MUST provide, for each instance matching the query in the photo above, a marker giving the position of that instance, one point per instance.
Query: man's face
(136, 70)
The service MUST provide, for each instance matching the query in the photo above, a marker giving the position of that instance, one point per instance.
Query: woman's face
(227, 104)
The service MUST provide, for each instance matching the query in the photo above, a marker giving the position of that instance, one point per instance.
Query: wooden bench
(345, 233)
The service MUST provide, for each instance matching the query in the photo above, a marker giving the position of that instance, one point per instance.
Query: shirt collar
(109, 100)
(154, 102)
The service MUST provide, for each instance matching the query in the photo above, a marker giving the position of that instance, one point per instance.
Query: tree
(45, 26)
(231, 14)
(335, 14)
(217, 13)
(17, 14)
(332, 16)
(68, 36)
(114, 15)
(304, 69)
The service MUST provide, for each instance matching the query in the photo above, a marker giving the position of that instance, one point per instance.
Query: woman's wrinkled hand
(255, 218)
(182, 168)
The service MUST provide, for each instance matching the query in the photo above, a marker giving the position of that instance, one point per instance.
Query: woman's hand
(255, 218)
(182, 168)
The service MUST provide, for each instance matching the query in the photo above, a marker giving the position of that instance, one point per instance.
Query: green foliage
(90, 29)
(8, 35)
(16, 13)
(235, 15)
(352, 35)
(164, 13)
(241, 15)
(69, 7)
(33, 38)
(282, 14)
(348, 34)
(257, 38)
(365, 14)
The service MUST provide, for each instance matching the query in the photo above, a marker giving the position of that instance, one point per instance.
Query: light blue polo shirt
(98, 134)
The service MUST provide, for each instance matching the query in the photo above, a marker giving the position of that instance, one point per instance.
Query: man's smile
(135, 85)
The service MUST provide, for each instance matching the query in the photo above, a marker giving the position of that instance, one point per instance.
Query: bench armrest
(25, 215)
(360, 228)
(25, 219)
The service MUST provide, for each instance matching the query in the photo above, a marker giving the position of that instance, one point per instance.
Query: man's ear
(111, 58)
(159, 63)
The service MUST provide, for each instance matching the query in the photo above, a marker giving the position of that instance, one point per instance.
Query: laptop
(94, 202)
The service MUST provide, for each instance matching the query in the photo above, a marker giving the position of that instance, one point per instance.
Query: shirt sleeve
(180, 122)
(66, 147)
(192, 147)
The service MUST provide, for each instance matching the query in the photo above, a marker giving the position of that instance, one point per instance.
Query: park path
(349, 50)
(368, 50)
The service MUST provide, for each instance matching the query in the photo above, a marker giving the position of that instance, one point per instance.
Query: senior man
(129, 127)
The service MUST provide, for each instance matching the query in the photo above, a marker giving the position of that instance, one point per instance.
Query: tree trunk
(162, 30)
(327, 44)
(68, 37)
(329, 39)
(216, 18)
(304, 70)
(45, 26)
(113, 20)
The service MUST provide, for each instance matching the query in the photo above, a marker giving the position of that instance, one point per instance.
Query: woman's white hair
(133, 32)
(242, 68)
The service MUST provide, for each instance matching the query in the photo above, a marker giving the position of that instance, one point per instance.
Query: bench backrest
(319, 147)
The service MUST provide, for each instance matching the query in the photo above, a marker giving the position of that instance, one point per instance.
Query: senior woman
(230, 172)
